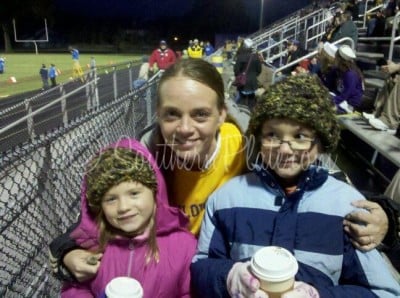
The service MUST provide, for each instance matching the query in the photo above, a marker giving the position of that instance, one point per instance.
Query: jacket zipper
(131, 252)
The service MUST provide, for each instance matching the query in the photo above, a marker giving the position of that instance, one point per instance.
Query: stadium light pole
(261, 14)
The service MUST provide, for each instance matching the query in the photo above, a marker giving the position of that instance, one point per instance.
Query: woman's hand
(83, 264)
(366, 229)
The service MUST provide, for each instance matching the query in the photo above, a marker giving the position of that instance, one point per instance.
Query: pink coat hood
(169, 277)
(167, 218)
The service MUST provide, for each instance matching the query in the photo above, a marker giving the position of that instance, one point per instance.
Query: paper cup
(124, 287)
(275, 267)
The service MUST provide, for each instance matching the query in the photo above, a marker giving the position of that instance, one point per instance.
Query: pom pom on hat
(330, 49)
(248, 43)
(346, 53)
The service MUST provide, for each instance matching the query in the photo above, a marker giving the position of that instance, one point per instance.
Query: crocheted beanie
(302, 98)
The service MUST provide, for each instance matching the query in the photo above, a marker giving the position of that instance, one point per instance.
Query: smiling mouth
(185, 143)
(286, 163)
(126, 218)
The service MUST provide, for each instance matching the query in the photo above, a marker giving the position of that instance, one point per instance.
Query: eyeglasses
(296, 144)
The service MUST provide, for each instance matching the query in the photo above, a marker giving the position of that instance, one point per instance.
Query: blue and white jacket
(252, 211)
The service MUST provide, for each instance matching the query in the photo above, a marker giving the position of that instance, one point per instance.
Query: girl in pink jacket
(126, 217)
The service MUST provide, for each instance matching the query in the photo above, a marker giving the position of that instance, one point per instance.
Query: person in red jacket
(163, 57)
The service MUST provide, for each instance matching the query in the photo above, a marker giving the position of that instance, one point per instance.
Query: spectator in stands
(143, 73)
(126, 218)
(53, 75)
(332, 28)
(249, 62)
(44, 75)
(352, 6)
(350, 87)
(2, 65)
(388, 105)
(289, 202)
(264, 79)
(376, 25)
(162, 57)
(295, 51)
(195, 147)
(326, 70)
(195, 50)
(208, 49)
(347, 28)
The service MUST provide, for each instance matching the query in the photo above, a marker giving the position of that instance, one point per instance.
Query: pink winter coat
(168, 278)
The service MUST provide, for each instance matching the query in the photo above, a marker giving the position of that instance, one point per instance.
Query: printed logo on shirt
(192, 210)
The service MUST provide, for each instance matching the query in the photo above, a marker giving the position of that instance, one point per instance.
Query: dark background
(121, 25)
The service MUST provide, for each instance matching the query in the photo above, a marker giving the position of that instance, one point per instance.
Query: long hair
(110, 168)
(346, 65)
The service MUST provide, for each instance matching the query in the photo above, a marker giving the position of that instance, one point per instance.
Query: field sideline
(25, 68)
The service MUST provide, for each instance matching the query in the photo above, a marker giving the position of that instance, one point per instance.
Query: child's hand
(301, 290)
(83, 264)
(241, 283)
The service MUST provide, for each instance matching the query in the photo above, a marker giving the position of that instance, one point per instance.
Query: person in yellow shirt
(195, 50)
(194, 145)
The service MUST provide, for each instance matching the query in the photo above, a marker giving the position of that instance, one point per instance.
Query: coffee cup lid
(123, 286)
(274, 263)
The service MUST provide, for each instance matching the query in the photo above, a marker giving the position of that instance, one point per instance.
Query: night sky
(104, 21)
(153, 10)
(146, 9)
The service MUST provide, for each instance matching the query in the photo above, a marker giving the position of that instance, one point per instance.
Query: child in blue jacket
(290, 202)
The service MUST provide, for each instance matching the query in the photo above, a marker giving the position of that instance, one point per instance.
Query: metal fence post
(115, 82)
(29, 120)
(130, 76)
(64, 111)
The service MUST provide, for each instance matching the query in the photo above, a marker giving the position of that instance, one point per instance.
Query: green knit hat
(302, 98)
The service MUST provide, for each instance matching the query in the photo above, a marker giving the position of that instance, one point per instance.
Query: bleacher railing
(393, 38)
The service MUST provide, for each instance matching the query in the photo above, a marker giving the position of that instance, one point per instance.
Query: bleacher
(383, 157)
(40, 178)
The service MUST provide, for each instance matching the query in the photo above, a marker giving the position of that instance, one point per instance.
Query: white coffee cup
(124, 287)
(275, 267)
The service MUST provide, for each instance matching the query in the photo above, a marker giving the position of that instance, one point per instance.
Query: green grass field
(25, 69)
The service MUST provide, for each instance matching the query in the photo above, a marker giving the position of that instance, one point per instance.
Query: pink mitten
(241, 283)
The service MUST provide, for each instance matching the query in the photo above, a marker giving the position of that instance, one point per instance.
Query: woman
(194, 145)
(349, 87)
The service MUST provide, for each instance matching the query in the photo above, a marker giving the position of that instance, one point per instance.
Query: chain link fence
(40, 186)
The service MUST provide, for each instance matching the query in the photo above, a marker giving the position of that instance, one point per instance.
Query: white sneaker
(345, 106)
(368, 116)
